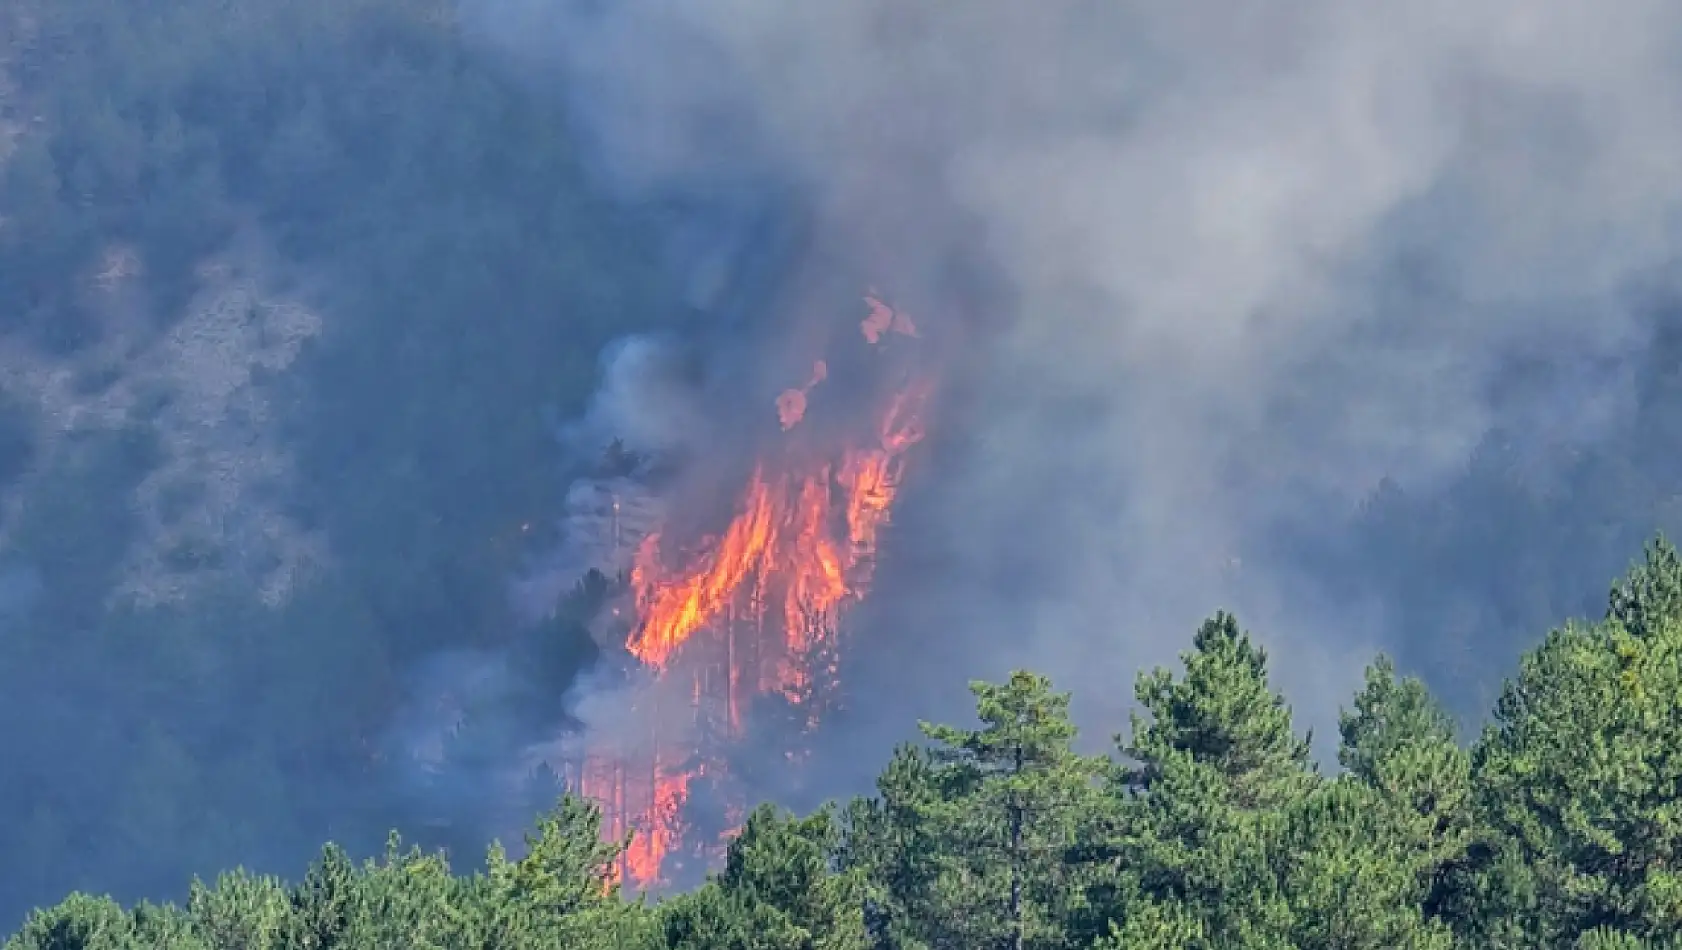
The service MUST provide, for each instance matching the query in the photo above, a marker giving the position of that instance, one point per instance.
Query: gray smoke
(1253, 256)
(607, 514)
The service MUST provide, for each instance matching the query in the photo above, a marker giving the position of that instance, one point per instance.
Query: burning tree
(752, 612)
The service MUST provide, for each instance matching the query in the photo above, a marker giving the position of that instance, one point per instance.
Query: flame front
(754, 606)
(673, 606)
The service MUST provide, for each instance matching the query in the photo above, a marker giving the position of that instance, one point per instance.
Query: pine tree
(1399, 742)
(1581, 768)
(240, 911)
(1015, 794)
(561, 892)
(1650, 593)
(892, 840)
(1364, 859)
(778, 890)
(1349, 870)
(80, 922)
(1201, 810)
(1223, 714)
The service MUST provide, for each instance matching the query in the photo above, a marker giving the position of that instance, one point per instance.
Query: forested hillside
(293, 297)
(1468, 573)
(1206, 827)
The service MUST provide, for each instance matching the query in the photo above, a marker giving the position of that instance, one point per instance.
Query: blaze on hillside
(746, 614)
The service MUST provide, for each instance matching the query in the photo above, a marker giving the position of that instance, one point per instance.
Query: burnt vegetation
(438, 211)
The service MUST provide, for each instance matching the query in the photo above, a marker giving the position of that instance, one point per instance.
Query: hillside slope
(290, 297)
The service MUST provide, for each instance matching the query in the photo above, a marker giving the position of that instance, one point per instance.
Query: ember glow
(755, 610)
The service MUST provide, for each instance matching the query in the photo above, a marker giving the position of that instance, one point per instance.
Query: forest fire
(755, 610)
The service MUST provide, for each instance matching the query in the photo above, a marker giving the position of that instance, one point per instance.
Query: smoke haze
(1248, 259)
(1359, 319)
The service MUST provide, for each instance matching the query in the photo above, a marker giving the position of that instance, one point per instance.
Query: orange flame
(781, 531)
(759, 601)
(647, 851)
(648, 813)
(672, 607)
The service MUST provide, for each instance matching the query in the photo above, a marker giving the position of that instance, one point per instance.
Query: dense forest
(192, 676)
(1207, 827)
(294, 295)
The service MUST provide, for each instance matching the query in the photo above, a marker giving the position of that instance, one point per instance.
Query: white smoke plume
(1255, 257)
(607, 514)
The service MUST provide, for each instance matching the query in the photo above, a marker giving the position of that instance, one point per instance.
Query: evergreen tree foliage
(1015, 789)
(1211, 829)
(778, 891)
(1579, 772)
(1210, 767)
(894, 840)
(1223, 715)
(1399, 744)
(1650, 594)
